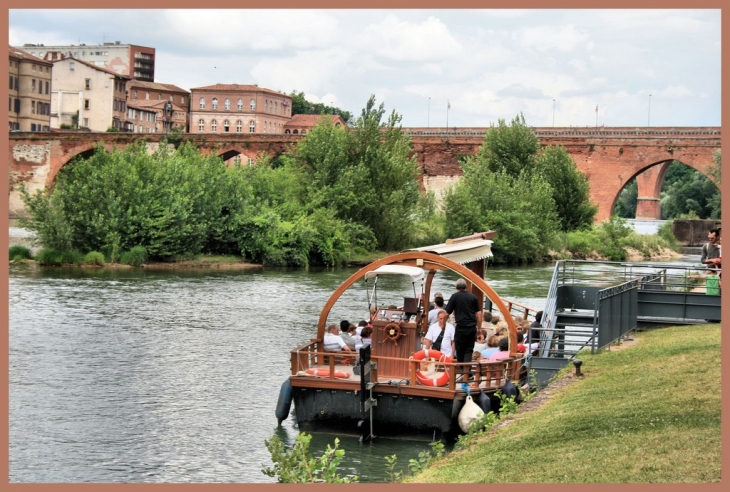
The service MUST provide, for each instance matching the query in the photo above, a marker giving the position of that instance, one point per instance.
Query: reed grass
(647, 413)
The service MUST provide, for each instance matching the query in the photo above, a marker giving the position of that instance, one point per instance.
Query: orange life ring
(426, 380)
(325, 373)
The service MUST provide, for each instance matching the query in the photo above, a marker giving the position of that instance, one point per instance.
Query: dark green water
(173, 376)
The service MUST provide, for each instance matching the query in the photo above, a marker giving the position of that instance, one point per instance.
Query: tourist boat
(396, 388)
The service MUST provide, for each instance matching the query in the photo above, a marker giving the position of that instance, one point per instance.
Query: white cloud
(547, 38)
(399, 40)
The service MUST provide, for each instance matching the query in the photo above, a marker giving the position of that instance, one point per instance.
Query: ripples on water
(142, 376)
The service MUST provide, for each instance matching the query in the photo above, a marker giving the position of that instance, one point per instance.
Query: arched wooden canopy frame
(430, 262)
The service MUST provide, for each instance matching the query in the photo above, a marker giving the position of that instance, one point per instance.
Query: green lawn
(647, 413)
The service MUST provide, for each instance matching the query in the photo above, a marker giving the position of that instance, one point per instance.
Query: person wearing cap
(468, 316)
(438, 306)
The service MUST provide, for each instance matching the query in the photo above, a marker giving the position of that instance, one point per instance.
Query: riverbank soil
(647, 412)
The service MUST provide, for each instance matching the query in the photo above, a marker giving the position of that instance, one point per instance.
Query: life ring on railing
(392, 332)
(425, 379)
(325, 373)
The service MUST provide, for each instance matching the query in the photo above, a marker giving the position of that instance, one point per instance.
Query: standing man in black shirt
(468, 315)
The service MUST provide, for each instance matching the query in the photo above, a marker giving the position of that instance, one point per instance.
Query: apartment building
(153, 96)
(29, 97)
(85, 95)
(235, 108)
(125, 59)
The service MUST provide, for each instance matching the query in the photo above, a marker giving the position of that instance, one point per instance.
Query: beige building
(234, 108)
(154, 95)
(29, 97)
(88, 96)
(125, 59)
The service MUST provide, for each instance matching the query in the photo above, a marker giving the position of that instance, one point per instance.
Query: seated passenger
(365, 338)
(437, 307)
(503, 350)
(520, 342)
(362, 324)
(333, 341)
(348, 336)
(440, 335)
(481, 343)
(492, 347)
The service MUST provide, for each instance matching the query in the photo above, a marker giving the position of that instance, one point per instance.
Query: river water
(173, 376)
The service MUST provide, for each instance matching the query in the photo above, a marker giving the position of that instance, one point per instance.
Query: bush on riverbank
(653, 411)
(613, 239)
(20, 253)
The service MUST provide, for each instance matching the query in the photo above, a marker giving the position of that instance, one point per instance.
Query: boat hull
(395, 415)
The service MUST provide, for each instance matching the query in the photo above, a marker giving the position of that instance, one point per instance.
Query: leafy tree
(367, 176)
(514, 148)
(301, 106)
(627, 200)
(571, 191)
(520, 208)
(687, 191)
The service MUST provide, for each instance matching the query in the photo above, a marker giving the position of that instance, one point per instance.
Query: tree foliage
(301, 106)
(686, 191)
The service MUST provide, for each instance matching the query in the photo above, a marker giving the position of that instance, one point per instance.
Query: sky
(559, 67)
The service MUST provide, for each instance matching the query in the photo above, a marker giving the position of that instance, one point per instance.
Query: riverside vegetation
(337, 195)
(646, 413)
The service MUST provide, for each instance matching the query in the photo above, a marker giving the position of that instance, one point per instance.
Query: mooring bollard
(577, 363)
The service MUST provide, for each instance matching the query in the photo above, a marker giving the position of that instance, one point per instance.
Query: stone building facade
(29, 95)
(235, 108)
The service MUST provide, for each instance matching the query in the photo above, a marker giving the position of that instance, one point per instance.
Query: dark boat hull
(395, 415)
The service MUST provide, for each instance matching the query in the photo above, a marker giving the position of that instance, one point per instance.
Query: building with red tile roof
(30, 92)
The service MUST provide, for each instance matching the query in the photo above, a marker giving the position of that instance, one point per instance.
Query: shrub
(137, 256)
(582, 244)
(665, 232)
(297, 465)
(18, 252)
(55, 257)
(94, 258)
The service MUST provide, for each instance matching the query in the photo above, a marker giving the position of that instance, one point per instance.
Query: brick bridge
(609, 157)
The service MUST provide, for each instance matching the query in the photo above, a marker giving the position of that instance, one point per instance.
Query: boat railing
(484, 373)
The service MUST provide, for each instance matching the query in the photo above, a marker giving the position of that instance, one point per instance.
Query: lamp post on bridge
(648, 118)
(428, 116)
(553, 113)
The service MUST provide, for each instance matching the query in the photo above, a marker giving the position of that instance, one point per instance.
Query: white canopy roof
(462, 252)
(415, 273)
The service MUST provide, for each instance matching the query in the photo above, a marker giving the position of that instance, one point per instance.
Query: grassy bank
(646, 413)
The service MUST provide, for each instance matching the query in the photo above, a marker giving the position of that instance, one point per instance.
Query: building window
(201, 125)
(32, 89)
(134, 95)
(251, 127)
(213, 126)
(252, 104)
(86, 122)
(250, 161)
(239, 126)
(182, 100)
(11, 83)
(87, 104)
(147, 95)
(32, 106)
(214, 103)
(240, 104)
(227, 104)
(87, 84)
(304, 132)
(71, 65)
(226, 125)
(202, 103)
(276, 107)
(237, 160)
(287, 131)
(48, 91)
(159, 96)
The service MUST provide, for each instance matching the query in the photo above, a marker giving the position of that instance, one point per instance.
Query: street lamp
(428, 117)
(167, 115)
(553, 113)
(648, 118)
